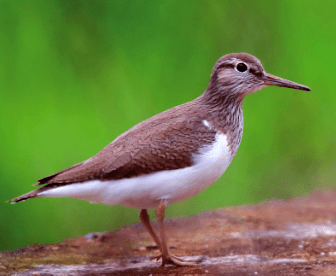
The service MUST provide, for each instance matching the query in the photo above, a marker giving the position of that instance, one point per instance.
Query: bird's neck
(225, 114)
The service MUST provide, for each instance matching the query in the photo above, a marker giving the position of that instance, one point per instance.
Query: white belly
(146, 191)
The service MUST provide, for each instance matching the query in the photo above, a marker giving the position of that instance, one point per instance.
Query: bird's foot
(178, 261)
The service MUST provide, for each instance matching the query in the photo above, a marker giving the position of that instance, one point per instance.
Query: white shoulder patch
(206, 123)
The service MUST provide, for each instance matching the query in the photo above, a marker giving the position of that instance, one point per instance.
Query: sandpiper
(171, 156)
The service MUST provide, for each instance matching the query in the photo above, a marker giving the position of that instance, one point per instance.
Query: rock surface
(291, 237)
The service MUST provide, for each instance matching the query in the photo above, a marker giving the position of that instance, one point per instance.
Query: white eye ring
(241, 67)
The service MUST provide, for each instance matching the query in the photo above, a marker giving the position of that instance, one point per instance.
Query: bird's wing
(165, 142)
(171, 149)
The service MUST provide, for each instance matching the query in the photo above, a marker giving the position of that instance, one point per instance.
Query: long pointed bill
(274, 80)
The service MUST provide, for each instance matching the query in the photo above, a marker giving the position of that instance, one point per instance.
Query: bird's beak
(274, 80)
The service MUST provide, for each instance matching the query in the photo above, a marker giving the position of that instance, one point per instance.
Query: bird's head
(242, 74)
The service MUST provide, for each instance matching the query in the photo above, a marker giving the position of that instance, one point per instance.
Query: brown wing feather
(45, 180)
(159, 143)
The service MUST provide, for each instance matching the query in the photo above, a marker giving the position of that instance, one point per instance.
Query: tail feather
(24, 197)
(33, 194)
(43, 181)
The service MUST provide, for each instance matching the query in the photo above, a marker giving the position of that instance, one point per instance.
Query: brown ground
(293, 237)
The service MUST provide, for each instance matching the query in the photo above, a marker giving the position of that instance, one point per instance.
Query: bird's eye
(241, 67)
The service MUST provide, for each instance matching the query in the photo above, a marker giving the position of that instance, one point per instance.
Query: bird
(171, 156)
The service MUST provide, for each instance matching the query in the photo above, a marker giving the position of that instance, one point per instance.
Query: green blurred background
(76, 74)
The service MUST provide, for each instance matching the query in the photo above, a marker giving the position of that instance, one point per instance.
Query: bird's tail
(33, 194)
(24, 197)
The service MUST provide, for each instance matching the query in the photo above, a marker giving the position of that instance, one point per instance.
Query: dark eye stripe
(255, 72)
(225, 65)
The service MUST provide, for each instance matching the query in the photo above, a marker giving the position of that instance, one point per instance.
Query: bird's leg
(168, 258)
(160, 213)
(144, 218)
